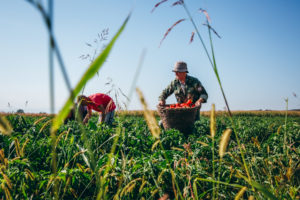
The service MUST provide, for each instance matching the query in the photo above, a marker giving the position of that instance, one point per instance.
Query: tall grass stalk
(215, 69)
(212, 134)
(47, 19)
(212, 61)
(285, 127)
(135, 78)
(91, 71)
(51, 57)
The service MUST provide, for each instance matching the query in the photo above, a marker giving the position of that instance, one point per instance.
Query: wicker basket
(181, 119)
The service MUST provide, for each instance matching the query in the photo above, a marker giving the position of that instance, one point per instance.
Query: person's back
(104, 100)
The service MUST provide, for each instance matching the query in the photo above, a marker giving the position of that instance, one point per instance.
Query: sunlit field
(139, 168)
(224, 155)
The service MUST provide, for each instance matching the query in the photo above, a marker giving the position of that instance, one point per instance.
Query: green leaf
(90, 72)
(263, 189)
(86, 160)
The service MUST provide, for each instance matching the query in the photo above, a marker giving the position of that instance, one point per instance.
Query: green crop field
(125, 161)
(227, 155)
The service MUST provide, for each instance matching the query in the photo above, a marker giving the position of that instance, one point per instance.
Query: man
(101, 103)
(184, 87)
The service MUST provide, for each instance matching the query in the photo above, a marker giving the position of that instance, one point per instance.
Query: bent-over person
(101, 103)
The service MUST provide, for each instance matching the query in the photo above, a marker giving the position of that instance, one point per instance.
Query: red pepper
(188, 104)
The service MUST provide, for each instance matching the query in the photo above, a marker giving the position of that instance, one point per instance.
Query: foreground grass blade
(263, 190)
(149, 116)
(90, 72)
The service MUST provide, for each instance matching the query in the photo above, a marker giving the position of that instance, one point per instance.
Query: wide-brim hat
(180, 67)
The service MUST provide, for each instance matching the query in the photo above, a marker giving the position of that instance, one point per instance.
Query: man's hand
(199, 102)
(162, 102)
(102, 118)
(87, 117)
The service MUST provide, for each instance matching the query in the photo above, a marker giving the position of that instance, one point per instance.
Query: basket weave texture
(182, 119)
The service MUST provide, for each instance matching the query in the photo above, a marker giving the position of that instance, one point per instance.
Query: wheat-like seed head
(149, 116)
(240, 193)
(67, 133)
(251, 198)
(129, 190)
(159, 179)
(142, 186)
(177, 149)
(203, 143)
(23, 147)
(155, 145)
(67, 183)
(154, 192)
(39, 120)
(224, 142)
(17, 145)
(5, 127)
(130, 186)
(7, 194)
(80, 167)
(29, 173)
(59, 137)
(44, 125)
(173, 182)
(7, 180)
(74, 193)
(278, 130)
(156, 5)
(2, 156)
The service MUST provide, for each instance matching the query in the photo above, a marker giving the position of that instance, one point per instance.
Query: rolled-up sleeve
(202, 92)
(167, 92)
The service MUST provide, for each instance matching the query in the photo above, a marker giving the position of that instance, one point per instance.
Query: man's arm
(199, 102)
(88, 116)
(166, 93)
(102, 109)
(202, 94)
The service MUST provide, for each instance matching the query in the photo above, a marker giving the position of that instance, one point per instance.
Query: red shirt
(101, 99)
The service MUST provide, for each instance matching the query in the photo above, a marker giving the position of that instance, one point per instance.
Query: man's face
(180, 76)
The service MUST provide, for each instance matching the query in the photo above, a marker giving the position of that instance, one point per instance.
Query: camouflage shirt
(192, 89)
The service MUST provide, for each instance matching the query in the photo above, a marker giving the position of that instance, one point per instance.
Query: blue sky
(257, 55)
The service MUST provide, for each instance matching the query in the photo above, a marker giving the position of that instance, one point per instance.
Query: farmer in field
(101, 103)
(184, 87)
